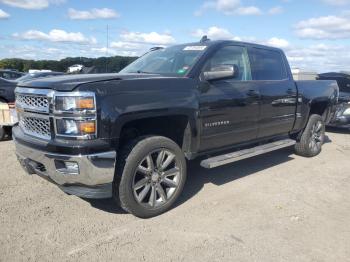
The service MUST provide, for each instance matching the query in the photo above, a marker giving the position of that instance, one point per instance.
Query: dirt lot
(276, 207)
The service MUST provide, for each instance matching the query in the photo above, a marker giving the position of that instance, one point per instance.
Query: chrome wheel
(317, 136)
(156, 178)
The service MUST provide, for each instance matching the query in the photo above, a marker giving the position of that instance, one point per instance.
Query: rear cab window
(267, 64)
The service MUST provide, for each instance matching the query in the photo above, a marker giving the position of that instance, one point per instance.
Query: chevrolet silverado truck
(129, 135)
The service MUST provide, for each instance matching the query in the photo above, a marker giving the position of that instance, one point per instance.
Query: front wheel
(312, 138)
(150, 176)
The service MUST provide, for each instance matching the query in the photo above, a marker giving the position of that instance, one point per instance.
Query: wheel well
(172, 127)
(319, 108)
(3, 100)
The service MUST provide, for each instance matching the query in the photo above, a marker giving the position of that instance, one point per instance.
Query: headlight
(74, 103)
(73, 127)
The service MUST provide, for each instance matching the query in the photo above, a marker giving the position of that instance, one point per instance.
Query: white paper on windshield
(195, 48)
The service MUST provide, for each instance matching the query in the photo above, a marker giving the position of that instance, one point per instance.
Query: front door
(229, 108)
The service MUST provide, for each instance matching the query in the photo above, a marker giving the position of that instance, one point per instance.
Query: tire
(150, 176)
(8, 132)
(2, 133)
(312, 138)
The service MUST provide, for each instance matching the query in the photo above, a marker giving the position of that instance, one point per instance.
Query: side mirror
(221, 72)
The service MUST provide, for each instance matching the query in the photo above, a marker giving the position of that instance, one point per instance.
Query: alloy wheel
(156, 178)
(316, 140)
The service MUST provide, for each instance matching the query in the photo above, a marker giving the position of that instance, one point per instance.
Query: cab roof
(210, 43)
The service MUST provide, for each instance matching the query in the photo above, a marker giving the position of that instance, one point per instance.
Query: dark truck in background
(8, 116)
(129, 135)
(342, 115)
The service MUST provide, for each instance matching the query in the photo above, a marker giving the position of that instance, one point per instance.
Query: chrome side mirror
(221, 72)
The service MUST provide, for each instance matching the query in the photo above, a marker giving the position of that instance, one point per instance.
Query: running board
(246, 153)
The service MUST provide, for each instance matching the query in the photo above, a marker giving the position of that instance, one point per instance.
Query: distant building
(299, 74)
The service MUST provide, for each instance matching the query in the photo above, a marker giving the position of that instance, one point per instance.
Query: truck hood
(70, 82)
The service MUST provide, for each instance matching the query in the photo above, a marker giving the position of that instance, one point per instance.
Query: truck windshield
(176, 60)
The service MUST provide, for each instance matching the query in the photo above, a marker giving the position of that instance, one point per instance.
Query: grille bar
(33, 103)
(34, 111)
(38, 127)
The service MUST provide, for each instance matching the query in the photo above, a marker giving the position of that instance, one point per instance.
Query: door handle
(291, 91)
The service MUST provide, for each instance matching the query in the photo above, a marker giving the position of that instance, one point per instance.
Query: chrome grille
(32, 102)
(39, 127)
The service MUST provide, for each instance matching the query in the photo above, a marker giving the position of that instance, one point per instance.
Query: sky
(315, 34)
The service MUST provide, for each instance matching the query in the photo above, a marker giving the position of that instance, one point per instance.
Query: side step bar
(246, 153)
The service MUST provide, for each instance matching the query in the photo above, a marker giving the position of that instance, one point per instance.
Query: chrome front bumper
(93, 178)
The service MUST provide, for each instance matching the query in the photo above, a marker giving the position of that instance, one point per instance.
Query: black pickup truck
(129, 135)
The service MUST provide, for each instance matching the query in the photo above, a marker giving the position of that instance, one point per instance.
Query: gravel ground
(275, 207)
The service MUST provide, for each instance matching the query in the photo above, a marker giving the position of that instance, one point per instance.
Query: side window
(232, 55)
(6, 75)
(267, 64)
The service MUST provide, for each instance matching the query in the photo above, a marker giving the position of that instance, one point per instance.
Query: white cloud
(337, 2)
(55, 35)
(218, 33)
(278, 42)
(149, 38)
(125, 45)
(228, 7)
(325, 27)
(103, 13)
(321, 57)
(213, 33)
(3, 14)
(276, 10)
(31, 4)
(249, 10)
(103, 51)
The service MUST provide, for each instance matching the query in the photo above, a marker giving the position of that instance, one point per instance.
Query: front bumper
(92, 179)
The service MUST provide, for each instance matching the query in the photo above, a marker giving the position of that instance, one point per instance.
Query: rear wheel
(312, 138)
(150, 176)
(2, 133)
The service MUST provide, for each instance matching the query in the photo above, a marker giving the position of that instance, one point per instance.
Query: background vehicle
(34, 75)
(7, 110)
(342, 116)
(128, 134)
(8, 116)
(75, 69)
(10, 74)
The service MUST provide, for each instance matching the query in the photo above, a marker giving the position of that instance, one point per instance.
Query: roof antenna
(204, 39)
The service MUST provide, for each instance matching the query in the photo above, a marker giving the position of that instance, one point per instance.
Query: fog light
(72, 167)
(67, 167)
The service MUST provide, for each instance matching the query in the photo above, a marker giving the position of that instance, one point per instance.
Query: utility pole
(107, 46)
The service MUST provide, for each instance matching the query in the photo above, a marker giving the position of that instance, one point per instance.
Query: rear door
(278, 92)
